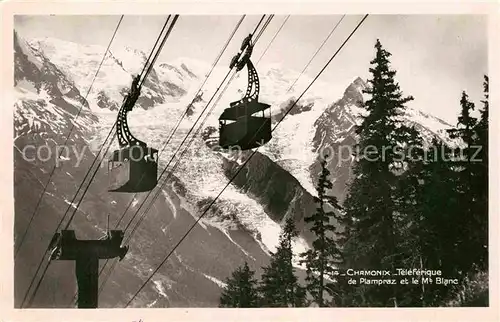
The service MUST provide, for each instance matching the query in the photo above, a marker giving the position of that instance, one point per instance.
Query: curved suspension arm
(125, 137)
(253, 87)
(254, 80)
(120, 122)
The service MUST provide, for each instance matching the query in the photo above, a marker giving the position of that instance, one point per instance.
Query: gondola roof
(243, 109)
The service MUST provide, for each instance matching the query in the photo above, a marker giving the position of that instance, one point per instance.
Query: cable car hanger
(238, 126)
(134, 167)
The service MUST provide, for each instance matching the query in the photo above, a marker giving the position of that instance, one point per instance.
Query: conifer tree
(480, 185)
(373, 209)
(241, 289)
(465, 217)
(324, 257)
(428, 239)
(279, 286)
(409, 221)
(482, 126)
(453, 229)
(450, 190)
(466, 240)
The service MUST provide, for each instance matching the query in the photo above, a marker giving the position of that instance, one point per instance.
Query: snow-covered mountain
(52, 79)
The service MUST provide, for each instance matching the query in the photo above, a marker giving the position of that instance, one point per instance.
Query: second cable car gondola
(245, 123)
(132, 168)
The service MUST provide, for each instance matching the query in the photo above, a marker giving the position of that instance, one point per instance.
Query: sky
(436, 56)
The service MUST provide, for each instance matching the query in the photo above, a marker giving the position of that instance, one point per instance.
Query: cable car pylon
(86, 254)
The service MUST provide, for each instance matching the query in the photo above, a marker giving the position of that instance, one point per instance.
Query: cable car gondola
(242, 124)
(132, 168)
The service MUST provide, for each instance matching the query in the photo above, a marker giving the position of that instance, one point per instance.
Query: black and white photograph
(251, 161)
